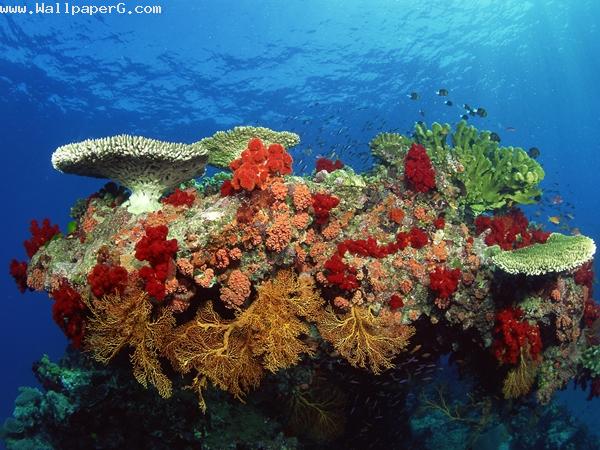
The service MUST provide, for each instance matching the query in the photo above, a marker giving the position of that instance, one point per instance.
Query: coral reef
(260, 281)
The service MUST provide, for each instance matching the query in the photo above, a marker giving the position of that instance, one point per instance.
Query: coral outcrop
(232, 280)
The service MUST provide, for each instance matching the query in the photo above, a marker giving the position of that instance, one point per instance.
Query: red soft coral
(104, 279)
(328, 165)
(256, 165)
(18, 270)
(39, 236)
(67, 312)
(322, 204)
(444, 282)
(341, 274)
(418, 238)
(515, 337)
(159, 252)
(418, 171)
(510, 231)
(180, 198)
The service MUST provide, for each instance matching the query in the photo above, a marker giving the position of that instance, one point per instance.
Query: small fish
(494, 137)
(481, 112)
(533, 152)
(556, 200)
(467, 107)
(422, 112)
(416, 349)
(448, 102)
(413, 96)
(511, 129)
(442, 92)
(570, 216)
(554, 219)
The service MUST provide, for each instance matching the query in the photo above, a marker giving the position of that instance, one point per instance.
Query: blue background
(336, 72)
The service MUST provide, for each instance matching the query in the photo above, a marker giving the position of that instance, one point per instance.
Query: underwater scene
(300, 225)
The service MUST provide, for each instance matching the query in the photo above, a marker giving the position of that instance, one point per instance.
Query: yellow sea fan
(119, 321)
(363, 339)
(519, 380)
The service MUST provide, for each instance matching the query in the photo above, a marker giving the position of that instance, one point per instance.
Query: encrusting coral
(258, 272)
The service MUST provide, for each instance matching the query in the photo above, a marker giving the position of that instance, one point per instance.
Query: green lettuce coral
(225, 146)
(558, 254)
(590, 359)
(494, 176)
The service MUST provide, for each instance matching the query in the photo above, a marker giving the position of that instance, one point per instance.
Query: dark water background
(336, 72)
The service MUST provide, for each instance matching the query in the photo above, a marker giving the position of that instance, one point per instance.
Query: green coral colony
(243, 278)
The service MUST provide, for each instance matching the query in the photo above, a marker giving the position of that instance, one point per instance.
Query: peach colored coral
(251, 237)
(302, 198)
(341, 303)
(420, 214)
(332, 231)
(279, 191)
(237, 290)
(439, 252)
(205, 279)
(406, 286)
(279, 234)
(36, 279)
(300, 220)
(235, 254)
(221, 259)
(185, 267)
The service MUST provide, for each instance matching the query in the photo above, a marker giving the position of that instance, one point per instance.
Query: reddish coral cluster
(328, 165)
(514, 336)
(584, 276)
(67, 312)
(341, 274)
(105, 279)
(396, 302)
(443, 281)
(344, 276)
(39, 236)
(18, 270)
(159, 252)
(510, 231)
(256, 164)
(418, 171)
(322, 205)
(180, 198)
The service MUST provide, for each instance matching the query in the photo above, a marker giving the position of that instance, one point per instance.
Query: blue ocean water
(335, 72)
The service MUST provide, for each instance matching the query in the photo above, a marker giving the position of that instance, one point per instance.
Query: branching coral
(121, 321)
(364, 339)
